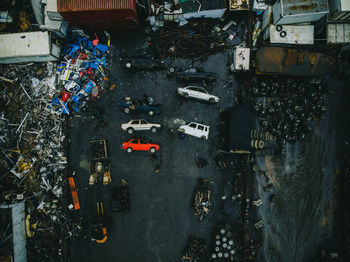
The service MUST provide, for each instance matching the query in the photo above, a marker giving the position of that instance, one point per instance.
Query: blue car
(130, 106)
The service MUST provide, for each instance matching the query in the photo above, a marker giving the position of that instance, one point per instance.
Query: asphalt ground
(160, 219)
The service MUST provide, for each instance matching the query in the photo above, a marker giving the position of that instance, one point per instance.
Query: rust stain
(303, 7)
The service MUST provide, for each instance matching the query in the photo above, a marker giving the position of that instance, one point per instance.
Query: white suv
(195, 129)
(197, 92)
(139, 125)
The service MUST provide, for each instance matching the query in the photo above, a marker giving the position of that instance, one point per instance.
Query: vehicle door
(135, 144)
(201, 131)
(144, 145)
(144, 125)
(136, 124)
(193, 91)
(192, 129)
(202, 94)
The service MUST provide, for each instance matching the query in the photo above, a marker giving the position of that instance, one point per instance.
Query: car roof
(197, 124)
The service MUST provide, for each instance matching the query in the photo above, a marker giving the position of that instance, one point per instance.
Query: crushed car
(128, 105)
(192, 74)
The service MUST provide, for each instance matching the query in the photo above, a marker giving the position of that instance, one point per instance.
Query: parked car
(141, 63)
(197, 92)
(139, 125)
(192, 74)
(195, 129)
(139, 144)
(130, 106)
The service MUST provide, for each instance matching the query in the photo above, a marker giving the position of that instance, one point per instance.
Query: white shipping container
(290, 34)
(338, 33)
(299, 11)
(27, 47)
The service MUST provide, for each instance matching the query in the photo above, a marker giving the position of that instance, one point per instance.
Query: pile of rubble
(194, 248)
(197, 38)
(286, 106)
(34, 98)
(201, 200)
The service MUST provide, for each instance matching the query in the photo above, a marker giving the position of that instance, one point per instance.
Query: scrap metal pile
(33, 100)
(194, 248)
(199, 37)
(286, 106)
(201, 201)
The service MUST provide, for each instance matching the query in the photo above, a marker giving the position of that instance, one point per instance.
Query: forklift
(100, 167)
(99, 229)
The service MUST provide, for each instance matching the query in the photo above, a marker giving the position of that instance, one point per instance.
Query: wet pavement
(160, 219)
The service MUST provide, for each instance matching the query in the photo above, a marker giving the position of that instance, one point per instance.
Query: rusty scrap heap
(195, 39)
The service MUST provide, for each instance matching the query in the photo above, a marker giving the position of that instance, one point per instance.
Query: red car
(139, 144)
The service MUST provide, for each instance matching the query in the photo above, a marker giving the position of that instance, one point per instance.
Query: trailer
(28, 47)
(289, 34)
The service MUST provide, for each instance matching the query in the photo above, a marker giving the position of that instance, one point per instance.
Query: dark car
(141, 63)
(130, 106)
(193, 74)
(120, 197)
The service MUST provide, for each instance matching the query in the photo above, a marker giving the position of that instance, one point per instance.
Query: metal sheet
(89, 5)
(288, 61)
(295, 7)
(19, 233)
(298, 34)
(338, 33)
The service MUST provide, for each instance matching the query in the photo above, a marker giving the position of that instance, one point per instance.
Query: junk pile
(201, 200)
(286, 106)
(34, 98)
(197, 38)
(120, 197)
(194, 248)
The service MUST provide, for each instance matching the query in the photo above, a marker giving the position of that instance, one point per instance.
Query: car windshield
(144, 122)
(135, 141)
(193, 125)
(135, 122)
(201, 89)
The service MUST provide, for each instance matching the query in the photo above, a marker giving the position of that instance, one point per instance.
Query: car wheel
(153, 150)
(128, 65)
(151, 113)
(172, 70)
(203, 138)
(130, 130)
(153, 129)
(186, 95)
(129, 150)
(127, 110)
(211, 100)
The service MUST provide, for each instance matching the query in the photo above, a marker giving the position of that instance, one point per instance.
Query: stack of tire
(262, 142)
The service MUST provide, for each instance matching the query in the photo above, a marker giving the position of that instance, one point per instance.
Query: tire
(153, 129)
(279, 28)
(128, 65)
(283, 34)
(203, 138)
(152, 150)
(185, 95)
(127, 110)
(211, 100)
(129, 150)
(151, 113)
(172, 70)
(130, 130)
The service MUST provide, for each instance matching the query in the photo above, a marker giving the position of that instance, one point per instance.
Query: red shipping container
(99, 14)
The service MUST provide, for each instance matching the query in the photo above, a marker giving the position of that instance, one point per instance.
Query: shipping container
(290, 61)
(290, 34)
(99, 15)
(27, 47)
(338, 33)
(339, 10)
(299, 11)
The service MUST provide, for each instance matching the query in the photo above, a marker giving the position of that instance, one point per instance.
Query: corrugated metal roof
(295, 7)
(93, 5)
